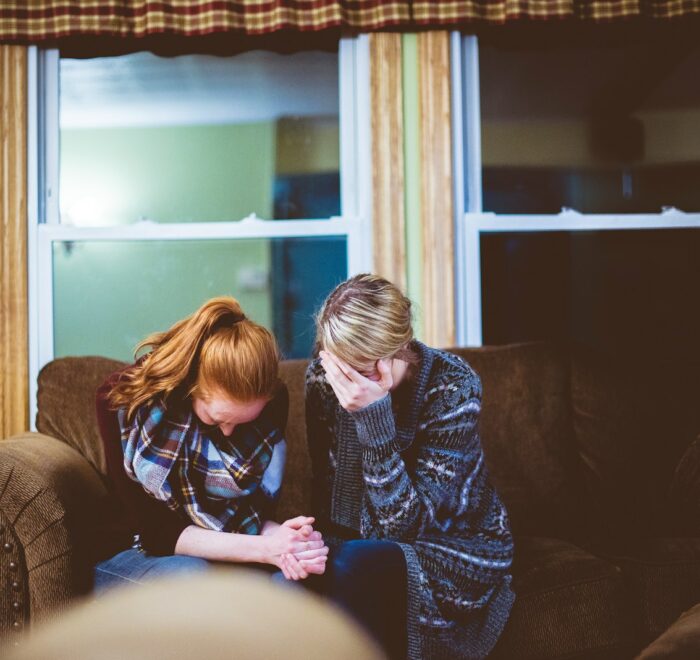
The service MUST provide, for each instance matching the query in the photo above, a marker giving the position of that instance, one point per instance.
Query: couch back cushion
(66, 403)
(633, 420)
(527, 436)
(525, 429)
(295, 498)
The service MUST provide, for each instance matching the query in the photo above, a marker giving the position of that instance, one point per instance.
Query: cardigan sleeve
(318, 434)
(403, 503)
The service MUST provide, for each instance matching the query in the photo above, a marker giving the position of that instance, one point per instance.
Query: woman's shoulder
(318, 391)
(451, 377)
(113, 378)
(316, 375)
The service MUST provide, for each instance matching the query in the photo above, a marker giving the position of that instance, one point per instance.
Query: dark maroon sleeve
(277, 410)
(158, 526)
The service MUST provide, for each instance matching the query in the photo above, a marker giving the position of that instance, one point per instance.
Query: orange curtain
(14, 379)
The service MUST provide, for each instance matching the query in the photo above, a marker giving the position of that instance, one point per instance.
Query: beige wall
(670, 137)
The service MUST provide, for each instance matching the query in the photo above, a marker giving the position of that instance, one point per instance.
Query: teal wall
(109, 296)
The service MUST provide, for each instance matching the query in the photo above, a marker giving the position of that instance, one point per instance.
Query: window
(162, 182)
(579, 206)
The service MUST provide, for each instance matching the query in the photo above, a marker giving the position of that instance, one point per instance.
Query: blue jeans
(134, 566)
(367, 578)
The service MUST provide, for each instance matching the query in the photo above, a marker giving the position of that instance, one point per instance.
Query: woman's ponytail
(216, 348)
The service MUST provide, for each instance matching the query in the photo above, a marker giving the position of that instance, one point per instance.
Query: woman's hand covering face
(353, 389)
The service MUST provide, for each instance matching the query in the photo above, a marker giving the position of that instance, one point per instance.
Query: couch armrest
(50, 496)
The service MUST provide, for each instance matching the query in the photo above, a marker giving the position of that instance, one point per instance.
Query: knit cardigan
(416, 475)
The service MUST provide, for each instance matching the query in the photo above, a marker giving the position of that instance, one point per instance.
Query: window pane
(128, 289)
(620, 291)
(597, 128)
(199, 138)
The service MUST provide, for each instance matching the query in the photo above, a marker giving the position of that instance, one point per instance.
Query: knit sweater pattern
(415, 473)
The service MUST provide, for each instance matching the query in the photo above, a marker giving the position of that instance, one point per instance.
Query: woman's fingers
(308, 533)
(340, 394)
(342, 366)
(341, 382)
(315, 566)
(305, 545)
(334, 366)
(295, 567)
(284, 568)
(312, 554)
(299, 522)
(292, 567)
(384, 369)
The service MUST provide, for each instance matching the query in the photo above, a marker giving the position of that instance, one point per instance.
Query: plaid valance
(32, 21)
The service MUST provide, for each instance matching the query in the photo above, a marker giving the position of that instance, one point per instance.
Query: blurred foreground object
(214, 615)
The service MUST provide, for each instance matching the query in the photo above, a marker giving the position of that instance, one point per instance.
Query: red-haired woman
(193, 439)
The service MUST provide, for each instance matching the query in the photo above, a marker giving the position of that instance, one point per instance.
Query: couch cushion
(569, 604)
(295, 498)
(66, 402)
(680, 642)
(527, 435)
(662, 576)
(633, 420)
(684, 492)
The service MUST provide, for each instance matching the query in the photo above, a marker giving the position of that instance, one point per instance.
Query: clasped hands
(356, 390)
(296, 548)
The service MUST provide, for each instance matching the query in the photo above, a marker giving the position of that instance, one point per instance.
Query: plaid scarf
(217, 483)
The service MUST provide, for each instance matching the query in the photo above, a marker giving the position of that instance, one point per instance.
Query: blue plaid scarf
(218, 484)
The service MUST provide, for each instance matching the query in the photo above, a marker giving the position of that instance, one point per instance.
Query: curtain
(14, 401)
(33, 21)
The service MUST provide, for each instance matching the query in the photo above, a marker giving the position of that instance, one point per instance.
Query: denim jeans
(134, 566)
(367, 578)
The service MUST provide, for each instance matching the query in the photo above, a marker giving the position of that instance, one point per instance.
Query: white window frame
(470, 220)
(45, 228)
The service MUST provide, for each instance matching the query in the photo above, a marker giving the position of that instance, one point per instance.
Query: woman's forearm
(222, 546)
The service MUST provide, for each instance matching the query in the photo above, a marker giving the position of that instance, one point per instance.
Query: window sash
(472, 222)
(44, 221)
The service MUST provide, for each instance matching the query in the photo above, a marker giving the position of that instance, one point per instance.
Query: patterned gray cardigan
(415, 474)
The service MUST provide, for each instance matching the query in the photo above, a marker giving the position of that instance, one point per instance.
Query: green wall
(109, 296)
(167, 174)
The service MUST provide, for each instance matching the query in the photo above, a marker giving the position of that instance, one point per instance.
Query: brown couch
(584, 450)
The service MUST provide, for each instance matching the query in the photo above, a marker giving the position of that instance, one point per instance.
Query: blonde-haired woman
(421, 547)
(193, 440)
